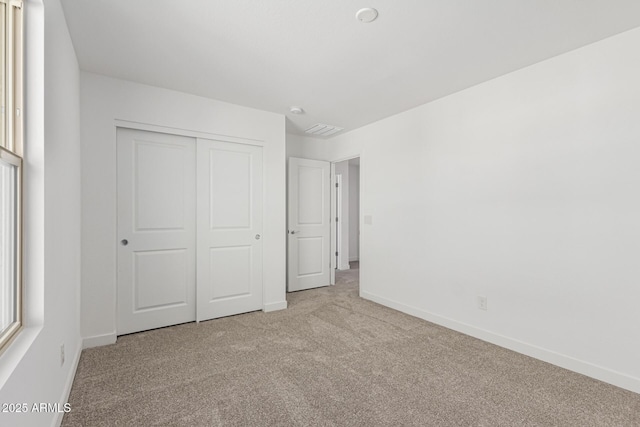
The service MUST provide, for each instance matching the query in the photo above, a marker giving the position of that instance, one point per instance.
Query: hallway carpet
(331, 359)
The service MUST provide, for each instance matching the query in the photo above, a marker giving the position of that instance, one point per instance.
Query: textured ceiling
(272, 54)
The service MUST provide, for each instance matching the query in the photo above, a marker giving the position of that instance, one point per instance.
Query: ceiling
(273, 54)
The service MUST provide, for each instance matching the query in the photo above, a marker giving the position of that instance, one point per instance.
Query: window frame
(11, 144)
(16, 161)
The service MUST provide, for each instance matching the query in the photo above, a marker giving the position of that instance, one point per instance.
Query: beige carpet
(331, 359)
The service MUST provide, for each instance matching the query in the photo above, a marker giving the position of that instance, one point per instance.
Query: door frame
(337, 219)
(333, 245)
(127, 124)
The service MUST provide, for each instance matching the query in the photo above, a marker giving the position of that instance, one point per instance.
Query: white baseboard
(274, 306)
(99, 340)
(585, 368)
(355, 258)
(57, 421)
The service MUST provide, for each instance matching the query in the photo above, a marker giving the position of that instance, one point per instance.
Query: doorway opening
(323, 221)
(347, 220)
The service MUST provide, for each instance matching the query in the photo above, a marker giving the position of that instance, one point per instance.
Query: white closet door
(309, 227)
(229, 217)
(156, 230)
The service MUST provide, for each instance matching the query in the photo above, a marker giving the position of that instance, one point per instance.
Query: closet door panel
(229, 217)
(156, 241)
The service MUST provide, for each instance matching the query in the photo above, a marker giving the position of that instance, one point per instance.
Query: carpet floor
(331, 359)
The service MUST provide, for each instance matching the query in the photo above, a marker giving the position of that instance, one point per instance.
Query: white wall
(331, 150)
(354, 212)
(306, 147)
(342, 169)
(30, 369)
(524, 190)
(105, 100)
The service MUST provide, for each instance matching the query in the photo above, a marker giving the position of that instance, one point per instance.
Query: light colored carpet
(331, 359)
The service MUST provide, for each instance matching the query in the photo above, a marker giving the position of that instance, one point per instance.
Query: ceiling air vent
(323, 130)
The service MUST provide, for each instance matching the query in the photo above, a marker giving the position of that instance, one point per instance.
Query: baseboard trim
(274, 306)
(99, 340)
(57, 421)
(567, 362)
(355, 258)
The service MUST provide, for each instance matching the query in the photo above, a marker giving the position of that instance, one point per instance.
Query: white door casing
(337, 218)
(334, 225)
(156, 230)
(229, 228)
(309, 225)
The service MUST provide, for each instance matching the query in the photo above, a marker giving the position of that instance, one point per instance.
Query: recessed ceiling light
(366, 15)
(296, 110)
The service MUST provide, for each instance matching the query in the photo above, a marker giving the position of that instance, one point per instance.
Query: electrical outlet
(482, 303)
(61, 354)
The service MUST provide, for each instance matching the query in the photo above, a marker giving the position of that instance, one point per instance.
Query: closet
(189, 229)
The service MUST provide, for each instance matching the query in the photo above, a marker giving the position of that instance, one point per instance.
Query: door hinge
(336, 253)
(336, 219)
(336, 185)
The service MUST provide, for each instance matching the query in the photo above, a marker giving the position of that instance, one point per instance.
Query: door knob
(257, 237)
(124, 242)
(293, 231)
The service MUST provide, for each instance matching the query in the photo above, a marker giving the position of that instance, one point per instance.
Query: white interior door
(309, 225)
(229, 268)
(156, 230)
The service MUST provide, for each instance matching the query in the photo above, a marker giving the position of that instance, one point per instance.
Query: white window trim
(12, 151)
(11, 331)
(33, 187)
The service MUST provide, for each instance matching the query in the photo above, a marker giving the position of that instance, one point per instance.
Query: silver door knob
(257, 237)
(293, 231)
(124, 242)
